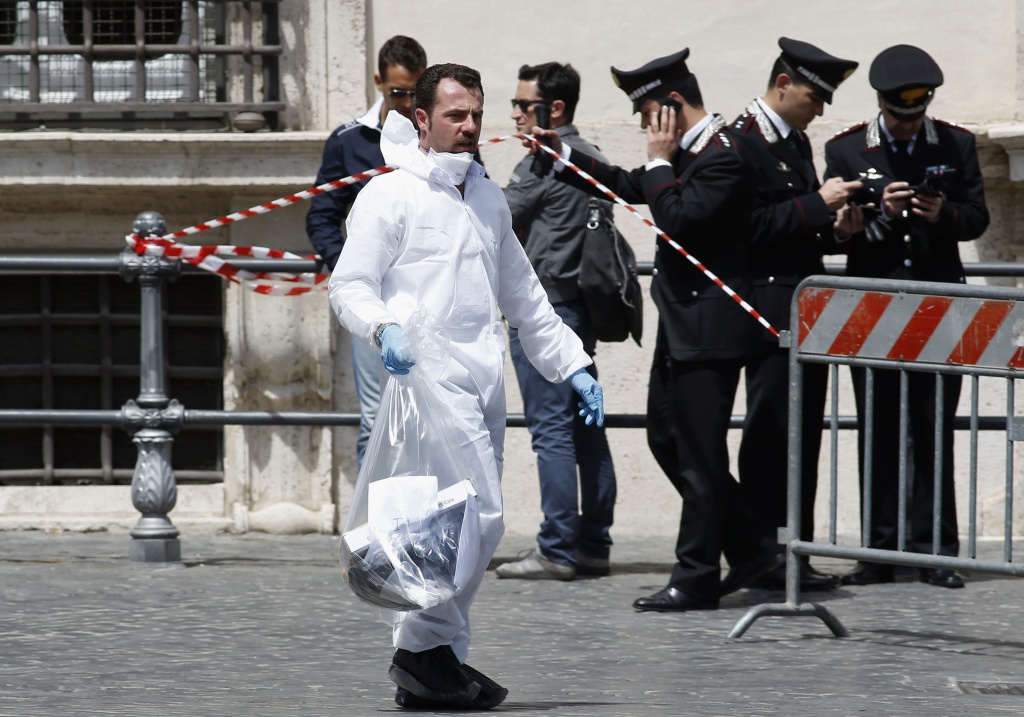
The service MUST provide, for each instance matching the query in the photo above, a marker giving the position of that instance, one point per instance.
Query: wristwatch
(379, 333)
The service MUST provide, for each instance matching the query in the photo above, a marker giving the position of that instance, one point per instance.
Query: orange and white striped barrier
(899, 326)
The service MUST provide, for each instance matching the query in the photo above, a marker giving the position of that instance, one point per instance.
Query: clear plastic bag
(411, 539)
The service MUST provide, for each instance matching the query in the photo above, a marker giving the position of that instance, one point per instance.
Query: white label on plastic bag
(454, 494)
(400, 500)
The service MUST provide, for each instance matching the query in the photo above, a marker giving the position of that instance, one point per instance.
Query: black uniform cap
(905, 78)
(824, 71)
(644, 82)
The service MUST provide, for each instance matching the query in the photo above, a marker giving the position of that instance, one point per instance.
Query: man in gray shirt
(549, 217)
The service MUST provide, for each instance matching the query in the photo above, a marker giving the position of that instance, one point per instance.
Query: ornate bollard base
(155, 552)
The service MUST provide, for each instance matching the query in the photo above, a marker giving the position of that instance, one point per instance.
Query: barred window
(113, 22)
(137, 64)
(72, 342)
(8, 22)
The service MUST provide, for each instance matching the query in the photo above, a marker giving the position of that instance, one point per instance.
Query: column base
(155, 552)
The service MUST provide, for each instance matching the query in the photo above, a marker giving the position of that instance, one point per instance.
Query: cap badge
(910, 96)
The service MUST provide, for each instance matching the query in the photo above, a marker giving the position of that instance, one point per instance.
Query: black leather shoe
(746, 574)
(940, 578)
(811, 580)
(491, 695)
(672, 599)
(870, 574)
(433, 674)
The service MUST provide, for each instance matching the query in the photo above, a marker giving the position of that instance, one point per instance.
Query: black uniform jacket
(912, 248)
(704, 202)
(790, 222)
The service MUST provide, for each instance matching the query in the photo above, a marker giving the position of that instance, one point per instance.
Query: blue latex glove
(592, 405)
(394, 351)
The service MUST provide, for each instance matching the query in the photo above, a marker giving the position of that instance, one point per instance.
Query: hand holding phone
(543, 114)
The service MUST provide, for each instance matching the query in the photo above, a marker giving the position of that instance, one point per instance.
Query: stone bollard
(152, 418)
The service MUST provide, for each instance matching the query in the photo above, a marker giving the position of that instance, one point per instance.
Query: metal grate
(135, 64)
(72, 342)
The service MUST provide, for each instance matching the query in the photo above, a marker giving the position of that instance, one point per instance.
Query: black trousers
(763, 459)
(922, 415)
(689, 404)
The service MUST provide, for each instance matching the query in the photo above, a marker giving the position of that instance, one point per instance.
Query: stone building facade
(77, 188)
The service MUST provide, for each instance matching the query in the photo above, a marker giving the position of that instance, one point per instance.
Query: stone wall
(80, 191)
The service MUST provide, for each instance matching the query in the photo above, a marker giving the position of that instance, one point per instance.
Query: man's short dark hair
(780, 67)
(426, 86)
(401, 50)
(555, 81)
(688, 87)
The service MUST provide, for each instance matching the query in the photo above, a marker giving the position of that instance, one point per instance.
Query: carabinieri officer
(923, 195)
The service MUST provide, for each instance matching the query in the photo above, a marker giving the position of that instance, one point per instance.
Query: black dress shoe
(940, 578)
(746, 574)
(870, 574)
(672, 599)
(433, 674)
(491, 693)
(811, 580)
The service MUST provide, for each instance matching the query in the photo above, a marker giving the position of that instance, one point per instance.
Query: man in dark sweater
(352, 148)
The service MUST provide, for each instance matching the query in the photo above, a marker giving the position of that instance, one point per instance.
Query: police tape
(205, 257)
(675, 245)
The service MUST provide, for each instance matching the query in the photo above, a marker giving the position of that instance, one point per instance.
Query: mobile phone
(672, 104)
(543, 114)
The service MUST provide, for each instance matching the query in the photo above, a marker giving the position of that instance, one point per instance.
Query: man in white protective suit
(435, 236)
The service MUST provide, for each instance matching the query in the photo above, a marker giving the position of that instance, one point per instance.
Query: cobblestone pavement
(261, 625)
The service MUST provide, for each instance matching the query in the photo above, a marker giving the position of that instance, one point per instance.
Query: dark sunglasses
(524, 105)
(398, 92)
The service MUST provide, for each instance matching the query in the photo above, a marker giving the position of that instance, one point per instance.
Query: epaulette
(721, 140)
(953, 125)
(848, 130)
(715, 126)
(742, 122)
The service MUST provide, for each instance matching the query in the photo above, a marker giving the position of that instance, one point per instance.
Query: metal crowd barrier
(914, 328)
(153, 418)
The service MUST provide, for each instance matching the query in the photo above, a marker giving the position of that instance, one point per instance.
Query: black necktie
(901, 158)
(807, 163)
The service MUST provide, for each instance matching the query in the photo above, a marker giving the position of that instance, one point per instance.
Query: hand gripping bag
(411, 539)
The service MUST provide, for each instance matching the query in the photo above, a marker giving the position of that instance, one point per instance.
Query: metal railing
(153, 417)
(905, 329)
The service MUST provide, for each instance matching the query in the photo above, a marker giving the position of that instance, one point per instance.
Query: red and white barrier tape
(690, 257)
(205, 257)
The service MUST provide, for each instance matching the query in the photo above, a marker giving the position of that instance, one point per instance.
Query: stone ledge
(160, 160)
(1011, 138)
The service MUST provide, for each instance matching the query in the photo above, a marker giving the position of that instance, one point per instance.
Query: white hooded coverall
(414, 242)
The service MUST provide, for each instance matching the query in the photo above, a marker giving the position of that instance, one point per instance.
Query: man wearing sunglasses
(550, 220)
(355, 147)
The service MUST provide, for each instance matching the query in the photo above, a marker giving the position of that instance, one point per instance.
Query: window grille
(137, 64)
(72, 342)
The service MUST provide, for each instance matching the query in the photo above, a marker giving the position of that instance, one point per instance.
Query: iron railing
(153, 417)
